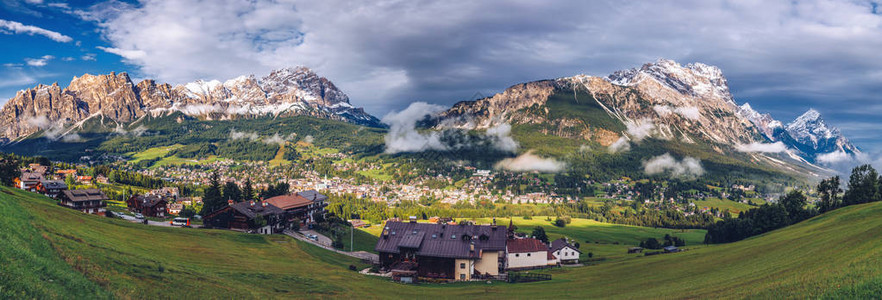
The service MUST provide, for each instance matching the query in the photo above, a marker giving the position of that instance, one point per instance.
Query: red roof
(525, 245)
(289, 201)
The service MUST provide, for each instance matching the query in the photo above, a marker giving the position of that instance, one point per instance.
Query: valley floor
(51, 252)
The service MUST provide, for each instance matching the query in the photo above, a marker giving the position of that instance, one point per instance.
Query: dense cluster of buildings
(414, 251)
(38, 178)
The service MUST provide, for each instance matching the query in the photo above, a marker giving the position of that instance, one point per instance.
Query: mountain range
(678, 104)
(284, 92)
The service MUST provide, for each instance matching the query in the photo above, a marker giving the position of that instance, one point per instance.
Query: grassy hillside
(836, 255)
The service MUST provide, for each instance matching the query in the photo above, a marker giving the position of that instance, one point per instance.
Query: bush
(528, 218)
(353, 268)
(560, 223)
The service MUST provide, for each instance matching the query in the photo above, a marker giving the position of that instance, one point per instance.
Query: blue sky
(783, 57)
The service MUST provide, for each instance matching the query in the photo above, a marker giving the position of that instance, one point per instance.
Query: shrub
(353, 268)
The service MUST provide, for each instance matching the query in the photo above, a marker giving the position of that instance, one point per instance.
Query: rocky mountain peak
(809, 128)
(695, 79)
(764, 122)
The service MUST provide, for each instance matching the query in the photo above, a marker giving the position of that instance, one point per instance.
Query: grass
(153, 153)
(604, 240)
(279, 159)
(363, 240)
(837, 255)
(733, 207)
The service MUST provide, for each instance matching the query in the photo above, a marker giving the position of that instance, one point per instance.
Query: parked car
(139, 216)
(312, 237)
(183, 222)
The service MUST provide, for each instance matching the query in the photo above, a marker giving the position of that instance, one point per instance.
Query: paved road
(149, 222)
(322, 239)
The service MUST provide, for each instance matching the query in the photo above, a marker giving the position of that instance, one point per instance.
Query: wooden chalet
(442, 251)
(29, 180)
(148, 205)
(298, 206)
(250, 216)
(51, 188)
(88, 201)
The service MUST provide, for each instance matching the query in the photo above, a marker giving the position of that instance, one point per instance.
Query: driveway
(322, 239)
(149, 222)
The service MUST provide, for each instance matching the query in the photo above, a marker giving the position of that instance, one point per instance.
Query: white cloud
(666, 163)
(235, 135)
(640, 129)
(620, 145)
(72, 138)
(131, 55)
(403, 136)
(39, 62)
(52, 130)
(834, 157)
(500, 138)
(308, 139)
(530, 162)
(776, 147)
(275, 139)
(88, 57)
(688, 112)
(19, 28)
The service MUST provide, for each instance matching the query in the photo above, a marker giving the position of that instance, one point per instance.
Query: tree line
(864, 186)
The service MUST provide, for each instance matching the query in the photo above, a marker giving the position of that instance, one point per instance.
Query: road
(325, 242)
(149, 222)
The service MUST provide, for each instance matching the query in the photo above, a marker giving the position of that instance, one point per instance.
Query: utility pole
(351, 240)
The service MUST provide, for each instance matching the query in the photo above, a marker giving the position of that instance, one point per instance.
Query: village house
(442, 251)
(564, 251)
(29, 181)
(175, 208)
(305, 206)
(527, 253)
(89, 201)
(51, 188)
(148, 205)
(249, 216)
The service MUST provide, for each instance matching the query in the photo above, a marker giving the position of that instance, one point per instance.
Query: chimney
(263, 203)
(230, 202)
(252, 202)
(472, 247)
(413, 219)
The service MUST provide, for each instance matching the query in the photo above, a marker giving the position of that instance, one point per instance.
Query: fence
(515, 277)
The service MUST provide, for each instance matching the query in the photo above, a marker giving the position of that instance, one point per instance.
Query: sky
(783, 57)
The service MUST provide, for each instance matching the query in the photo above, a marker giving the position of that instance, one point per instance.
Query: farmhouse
(88, 201)
(250, 216)
(28, 181)
(527, 253)
(442, 251)
(564, 252)
(51, 188)
(148, 205)
(296, 206)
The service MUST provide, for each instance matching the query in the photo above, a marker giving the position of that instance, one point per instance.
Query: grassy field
(733, 207)
(153, 153)
(837, 255)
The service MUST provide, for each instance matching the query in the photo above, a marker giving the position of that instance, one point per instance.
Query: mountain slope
(835, 255)
(808, 135)
(658, 108)
(284, 92)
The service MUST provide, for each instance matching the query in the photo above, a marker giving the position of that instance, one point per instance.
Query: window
(461, 276)
(528, 254)
(462, 265)
(517, 255)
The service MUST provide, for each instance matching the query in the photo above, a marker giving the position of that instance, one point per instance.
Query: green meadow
(51, 252)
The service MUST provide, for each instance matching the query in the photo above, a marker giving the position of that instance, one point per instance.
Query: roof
(251, 209)
(53, 184)
(150, 200)
(441, 240)
(551, 256)
(84, 195)
(289, 201)
(525, 245)
(29, 176)
(313, 195)
(560, 244)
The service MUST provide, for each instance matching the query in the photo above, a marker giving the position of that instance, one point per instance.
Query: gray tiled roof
(252, 211)
(441, 240)
(559, 244)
